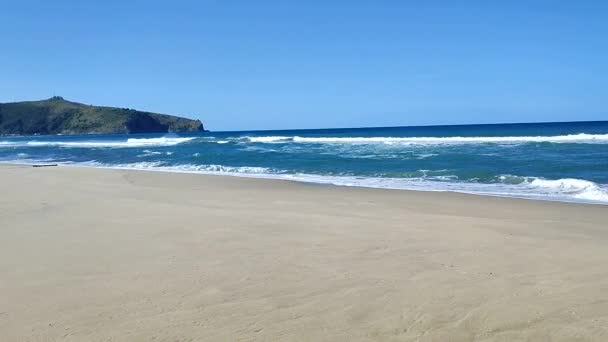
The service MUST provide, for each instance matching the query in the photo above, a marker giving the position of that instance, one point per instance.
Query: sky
(243, 65)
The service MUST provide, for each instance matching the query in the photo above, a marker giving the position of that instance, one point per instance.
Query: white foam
(145, 165)
(162, 141)
(269, 139)
(569, 190)
(426, 155)
(132, 142)
(148, 153)
(187, 168)
(572, 138)
(213, 168)
(581, 138)
(577, 188)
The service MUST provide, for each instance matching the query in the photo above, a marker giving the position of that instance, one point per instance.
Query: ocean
(549, 161)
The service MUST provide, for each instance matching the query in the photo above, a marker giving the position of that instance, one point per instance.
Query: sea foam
(581, 138)
(186, 168)
(132, 142)
(571, 138)
(269, 139)
(567, 189)
(577, 188)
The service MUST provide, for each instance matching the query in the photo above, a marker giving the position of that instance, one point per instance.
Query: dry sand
(114, 255)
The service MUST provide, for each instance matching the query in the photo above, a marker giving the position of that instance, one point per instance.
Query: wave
(577, 188)
(148, 153)
(567, 189)
(425, 155)
(131, 142)
(581, 138)
(184, 168)
(269, 139)
(572, 187)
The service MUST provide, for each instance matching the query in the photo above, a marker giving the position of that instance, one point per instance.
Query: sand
(114, 255)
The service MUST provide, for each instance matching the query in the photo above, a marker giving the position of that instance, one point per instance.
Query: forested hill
(59, 116)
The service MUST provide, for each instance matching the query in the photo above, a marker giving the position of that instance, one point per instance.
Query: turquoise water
(554, 161)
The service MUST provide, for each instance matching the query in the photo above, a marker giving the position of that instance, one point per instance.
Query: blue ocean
(551, 161)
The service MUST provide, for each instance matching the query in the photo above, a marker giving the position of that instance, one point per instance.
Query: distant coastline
(57, 116)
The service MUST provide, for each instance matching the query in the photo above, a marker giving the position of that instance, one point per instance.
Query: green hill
(58, 116)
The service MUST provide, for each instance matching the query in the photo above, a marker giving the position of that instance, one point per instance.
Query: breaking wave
(581, 138)
(567, 189)
(577, 188)
(131, 142)
(268, 139)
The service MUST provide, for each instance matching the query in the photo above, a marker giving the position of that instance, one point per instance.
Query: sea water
(552, 161)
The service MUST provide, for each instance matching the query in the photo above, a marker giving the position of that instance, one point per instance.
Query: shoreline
(303, 181)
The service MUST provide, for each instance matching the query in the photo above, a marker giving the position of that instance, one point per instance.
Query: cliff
(59, 116)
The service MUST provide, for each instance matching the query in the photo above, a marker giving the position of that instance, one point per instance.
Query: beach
(91, 254)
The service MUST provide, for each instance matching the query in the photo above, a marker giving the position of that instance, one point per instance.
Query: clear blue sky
(308, 64)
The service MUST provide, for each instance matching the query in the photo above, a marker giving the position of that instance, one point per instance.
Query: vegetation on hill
(59, 116)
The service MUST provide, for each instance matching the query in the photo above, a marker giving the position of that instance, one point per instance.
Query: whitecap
(572, 190)
(572, 138)
(269, 139)
(578, 188)
(132, 142)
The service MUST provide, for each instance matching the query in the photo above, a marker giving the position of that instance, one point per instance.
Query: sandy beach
(115, 255)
